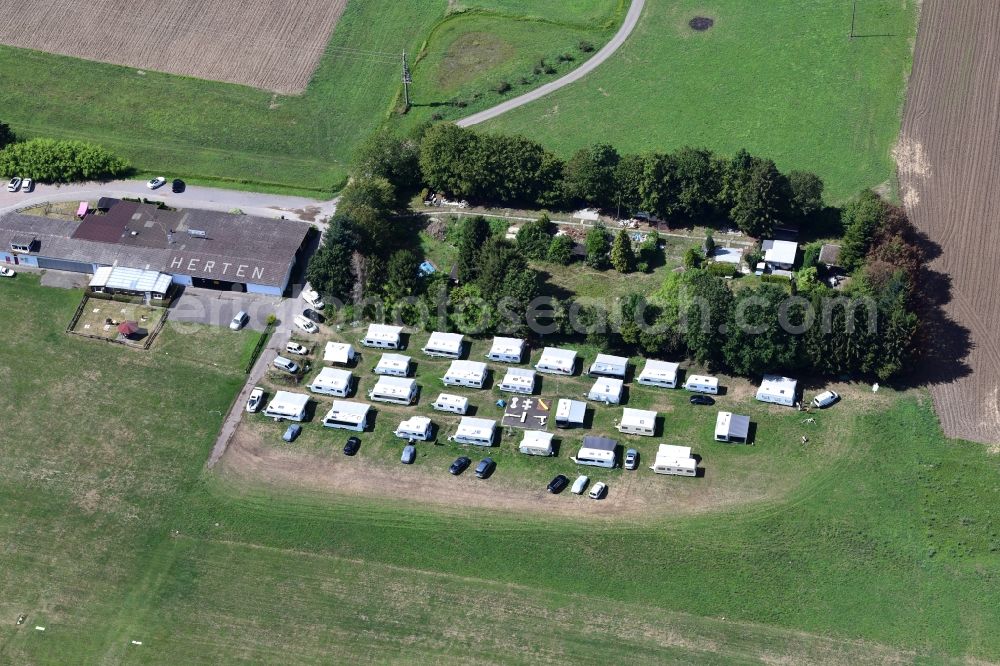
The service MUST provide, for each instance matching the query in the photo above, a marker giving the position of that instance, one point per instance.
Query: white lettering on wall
(258, 272)
(209, 265)
(241, 270)
(225, 267)
(176, 262)
(192, 265)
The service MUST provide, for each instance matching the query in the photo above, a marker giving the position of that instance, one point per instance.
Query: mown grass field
(778, 78)
(111, 531)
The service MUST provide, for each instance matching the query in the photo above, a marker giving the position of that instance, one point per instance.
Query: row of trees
(57, 161)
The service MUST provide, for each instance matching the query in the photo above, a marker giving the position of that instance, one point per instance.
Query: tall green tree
(330, 270)
(806, 191)
(475, 231)
(699, 182)
(756, 339)
(534, 238)
(861, 220)
(598, 245)
(6, 135)
(561, 250)
(369, 203)
(446, 159)
(401, 275)
(705, 308)
(622, 255)
(590, 175)
(387, 155)
(758, 195)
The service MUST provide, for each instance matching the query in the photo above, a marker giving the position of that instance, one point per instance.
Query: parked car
(304, 324)
(409, 454)
(296, 348)
(597, 492)
(292, 432)
(256, 396)
(157, 182)
(580, 483)
(701, 400)
(6, 272)
(631, 459)
(14, 185)
(286, 364)
(311, 296)
(239, 321)
(177, 186)
(309, 313)
(460, 465)
(27, 185)
(558, 484)
(485, 468)
(825, 399)
(352, 446)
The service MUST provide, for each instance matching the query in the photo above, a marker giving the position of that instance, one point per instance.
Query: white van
(580, 483)
(286, 364)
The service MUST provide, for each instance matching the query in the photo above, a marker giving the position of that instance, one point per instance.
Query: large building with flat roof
(195, 247)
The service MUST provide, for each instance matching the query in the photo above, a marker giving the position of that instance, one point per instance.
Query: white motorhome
(332, 381)
(474, 431)
(466, 373)
(287, 405)
(447, 402)
(570, 413)
(606, 365)
(606, 390)
(339, 353)
(675, 460)
(557, 361)
(597, 452)
(382, 336)
(347, 416)
(778, 390)
(394, 365)
(415, 427)
(638, 422)
(518, 380)
(396, 390)
(658, 373)
(702, 384)
(536, 443)
(444, 345)
(506, 350)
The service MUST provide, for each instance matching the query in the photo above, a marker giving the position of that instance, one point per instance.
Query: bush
(567, 57)
(692, 258)
(719, 269)
(585, 46)
(810, 256)
(775, 279)
(503, 87)
(561, 250)
(548, 68)
(52, 161)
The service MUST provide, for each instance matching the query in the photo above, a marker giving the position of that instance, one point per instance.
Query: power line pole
(854, 13)
(407, 80)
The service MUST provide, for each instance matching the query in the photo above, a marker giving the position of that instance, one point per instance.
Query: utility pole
(854, 13)
(407, 80)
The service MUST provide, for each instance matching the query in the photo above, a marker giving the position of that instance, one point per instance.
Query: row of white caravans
(443, 345)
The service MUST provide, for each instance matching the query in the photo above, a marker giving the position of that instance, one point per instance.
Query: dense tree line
(56, 161)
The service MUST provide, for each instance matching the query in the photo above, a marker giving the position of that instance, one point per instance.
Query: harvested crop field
(948, 160)
(269, 44)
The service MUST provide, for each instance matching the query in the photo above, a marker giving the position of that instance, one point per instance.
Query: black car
(352, 446)
(312, 315)
(701, 400)
(485, 467)
(178, 186)
(460, 465)
(558, 484)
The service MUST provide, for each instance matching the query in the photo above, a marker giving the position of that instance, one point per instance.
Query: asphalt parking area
(217, 308)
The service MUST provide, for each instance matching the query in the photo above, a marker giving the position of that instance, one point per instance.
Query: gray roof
(829, 254)
(739, 426)
(599, 443)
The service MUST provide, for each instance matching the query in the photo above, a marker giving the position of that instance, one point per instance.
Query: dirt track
(949, 156)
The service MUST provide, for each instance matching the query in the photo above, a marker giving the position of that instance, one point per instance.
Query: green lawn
(778, 78)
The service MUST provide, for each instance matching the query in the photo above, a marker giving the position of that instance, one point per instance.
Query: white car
(296, 348)
(304, 324)
(825, 399)
(14, 185)
(239, 321)
(159, 181)
(256, 396)
(597, 492)
(27, 185)
(580, 484)
(6, 272)
(311, 296)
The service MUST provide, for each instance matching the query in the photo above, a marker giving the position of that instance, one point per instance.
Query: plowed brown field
(270, 44)
(949, 169)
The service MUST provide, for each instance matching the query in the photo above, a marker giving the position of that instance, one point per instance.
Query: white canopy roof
(333, 378)
(675, 456)
(573, 411)
(536, 438)
(610, 365)
(395, 361)
(557, 358)
(780, 252)
(384, 332)
(471, 370)
(659, 371)
(130, 279)
(472, 427)
(444, 342)
(338, 352)
(507, 347)
(288, 401)
(638, 417)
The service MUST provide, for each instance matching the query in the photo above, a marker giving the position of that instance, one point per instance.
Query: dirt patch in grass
(701, 23)
(469, 56)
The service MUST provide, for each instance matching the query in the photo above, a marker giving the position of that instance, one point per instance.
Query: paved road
(631, 19)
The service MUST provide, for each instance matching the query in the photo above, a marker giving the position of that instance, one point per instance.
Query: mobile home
(557, 361)
(638, 422)
(475, 431)
(394, 365)
(597, 452)
(445, 345)
(338, 353)
(606, 390)
(606, 365)
(446, 402)
(347, 416)
(731, 427)
(415, 427)
(536, 443)
(702, 384)
(658, 373)
(506, 350)
(287, 405)
(332, 381)
(394, 389)
(570, 413)
(382, 336)
(466, 373)
(675, 460)
(518, 380)
(778, 390)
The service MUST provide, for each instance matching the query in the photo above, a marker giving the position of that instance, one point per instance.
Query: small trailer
(518, 380)
(778, 390)
(332, 381)
(536, 443)
(447, 402)
(675, 460)
(478, 432)
(347, 416)
(658, 373)
(555, 361)
(287, 405)
(444, 345)
(506, 350)
(702, 384)
(382, 336)
(471, 374)
(415, 427)
(395, 365)
(606, 390)
(637, 422)
(397, 390)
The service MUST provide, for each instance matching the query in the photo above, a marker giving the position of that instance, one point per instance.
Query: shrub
(548, 68)
(503, 87)
(719, 269)
(56, 161)
(585, 46)
(567, 57)
(810, 256)
(561, 250)
(775, 279)
(692, 258)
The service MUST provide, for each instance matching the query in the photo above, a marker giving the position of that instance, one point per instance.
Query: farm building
(778, 390)
(606, 365)
(474, 431)
(339, 353)
(731, 427)
(779, 254)
(383, 336)
(658, 373)
(596, 451)
(397, 390)
(466, 373)
(446, 402)
(415, 427)
(518, 380)
(506, 350)
(395, 365)
(557, 361)
(570, 413)
(637, 422)
(702, 384)
(130, 282)
(675, 460)
(332, 381)
(445, 345)
(536, 443)
(606, 390)
(347, 416)
(287, 405)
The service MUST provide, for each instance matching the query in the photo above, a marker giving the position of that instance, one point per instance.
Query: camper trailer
(778, 390)
(606, 365)
(287, 405)
(331, 381)
(338, 353)
(444, 345)
(731, 427)
(471, 374)
(447, 402)
(637, 422)
(394, 365)
(570, 413)
(506, 350)
(675, 460)
(347, 416)
(658, 373)
(518, 380)
(474, 431)
(606, 390)
(415, 427)
(396, 390)
(555, 361)
(383, 337)
(597, 452)
(702, 384)
(536, 443)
